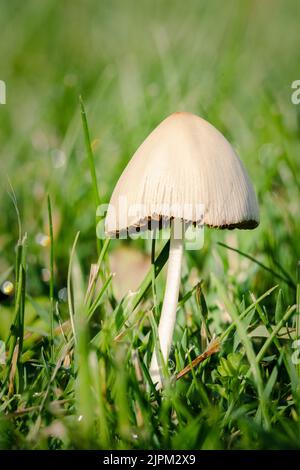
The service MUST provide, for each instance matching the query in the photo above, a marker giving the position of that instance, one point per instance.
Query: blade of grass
(205, 333)
(83, 384)
(146, 283)
(245, 312)
(97, 272)
(163, 367)
(149, 381)
(265, 321)
(13, 368)
(17, 329)
(98, 385)
(103, 252)
(274, 332)
(13, 198)
(91, 161)
(279, 307)
(287, 275)
(259, 263)
(186, 297)
(98, 299)
(69, 288)
(155, 306)
(51, 284)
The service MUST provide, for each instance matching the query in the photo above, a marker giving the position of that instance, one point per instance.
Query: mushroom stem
(169, 308)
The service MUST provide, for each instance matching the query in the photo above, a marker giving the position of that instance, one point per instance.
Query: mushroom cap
(184, 163)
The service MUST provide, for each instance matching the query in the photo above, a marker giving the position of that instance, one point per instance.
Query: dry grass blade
(213, 347)
(13, 369)
(23, 411)
(92, 279)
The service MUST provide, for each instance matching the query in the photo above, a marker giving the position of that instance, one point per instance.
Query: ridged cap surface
(183, 163)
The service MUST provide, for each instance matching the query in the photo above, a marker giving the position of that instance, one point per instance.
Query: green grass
(77, 348)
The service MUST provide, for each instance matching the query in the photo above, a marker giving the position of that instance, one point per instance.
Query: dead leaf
(213, 347)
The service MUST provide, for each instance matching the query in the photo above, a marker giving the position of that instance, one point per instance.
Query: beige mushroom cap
(184, 162)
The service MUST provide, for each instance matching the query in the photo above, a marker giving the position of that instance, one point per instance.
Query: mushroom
(183, 165)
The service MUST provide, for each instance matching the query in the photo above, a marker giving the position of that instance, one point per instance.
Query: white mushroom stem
(169, 308)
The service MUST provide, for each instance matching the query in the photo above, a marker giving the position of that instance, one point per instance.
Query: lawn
(78, 316)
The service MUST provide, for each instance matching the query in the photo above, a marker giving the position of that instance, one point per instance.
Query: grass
(78, 330)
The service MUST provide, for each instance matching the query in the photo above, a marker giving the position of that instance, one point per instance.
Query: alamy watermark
(295, 97)
(140, 221)
(2, 92)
